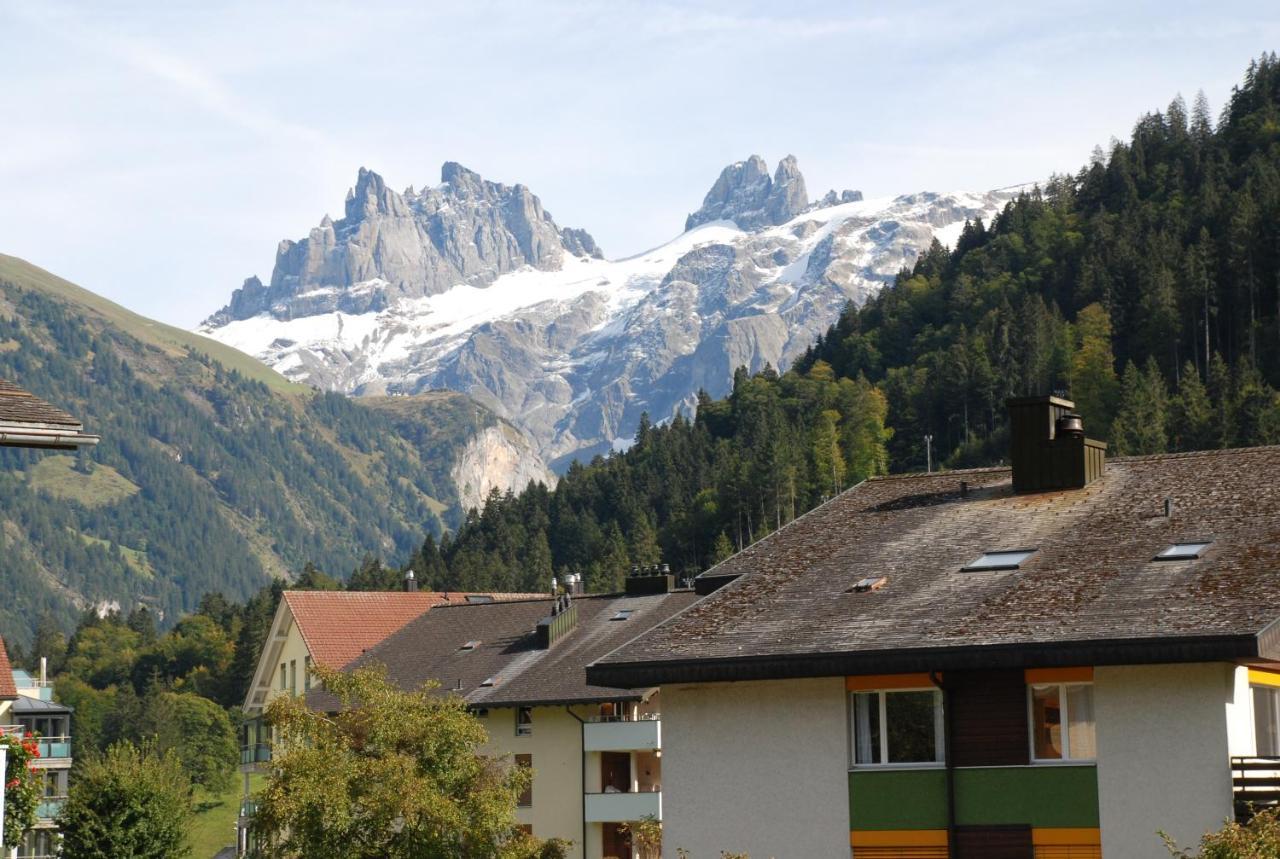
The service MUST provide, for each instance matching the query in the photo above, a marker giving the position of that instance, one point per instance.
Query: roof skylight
(470, 645)
(622, 614)
(1184, 551)
(489, 681)
(1002, 559)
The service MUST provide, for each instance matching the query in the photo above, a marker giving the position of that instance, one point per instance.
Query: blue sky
(156, 153)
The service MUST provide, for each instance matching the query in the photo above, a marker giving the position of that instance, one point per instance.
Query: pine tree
(1191, 414)
(1140, 426)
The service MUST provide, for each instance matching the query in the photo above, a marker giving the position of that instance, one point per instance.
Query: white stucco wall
(1163, 754)
(1240, 736)
(757, 767)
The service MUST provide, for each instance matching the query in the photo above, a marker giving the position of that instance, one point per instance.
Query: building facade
(1053, 661)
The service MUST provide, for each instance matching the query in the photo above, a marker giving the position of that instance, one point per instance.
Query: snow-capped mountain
(471, 286)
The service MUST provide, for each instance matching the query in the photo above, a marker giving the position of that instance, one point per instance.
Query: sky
(156, 153)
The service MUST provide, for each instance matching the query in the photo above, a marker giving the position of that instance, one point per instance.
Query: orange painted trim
(1060, 675)
(898, 838)
(1262, 677)
(1066, 837)
(865, 682)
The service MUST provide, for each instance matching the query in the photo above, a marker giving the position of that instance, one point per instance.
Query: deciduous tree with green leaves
(390, 775)
(131, 801)
(22, 791)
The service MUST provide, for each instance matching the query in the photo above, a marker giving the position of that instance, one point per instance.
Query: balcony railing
(258, 753)
(1255, 784)
(54, 747)
(248, 808)
(49, 807)
(622, 807)
(623, 735)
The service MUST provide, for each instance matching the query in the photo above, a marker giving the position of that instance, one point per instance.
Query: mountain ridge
(572, 347)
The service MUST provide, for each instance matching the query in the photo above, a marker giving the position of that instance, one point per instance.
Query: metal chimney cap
(1069, 424)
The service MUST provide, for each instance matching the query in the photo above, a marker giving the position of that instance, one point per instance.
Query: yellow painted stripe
(1059, 675)
(888, 681)
(898, 838)
(1066, 837)
(1263, 677)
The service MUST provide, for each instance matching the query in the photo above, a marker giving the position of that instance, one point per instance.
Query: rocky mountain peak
(390, 246)
(746, 195)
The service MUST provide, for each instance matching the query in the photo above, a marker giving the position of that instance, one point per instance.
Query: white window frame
(939, 731)
(1275, 692)
(1066, 758)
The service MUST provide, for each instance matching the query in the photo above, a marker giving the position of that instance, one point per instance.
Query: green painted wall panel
(1063, 796)
(1040, 796)
(898, 799)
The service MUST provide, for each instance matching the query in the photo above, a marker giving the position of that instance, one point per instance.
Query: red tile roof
(7, 689)
(338, 626)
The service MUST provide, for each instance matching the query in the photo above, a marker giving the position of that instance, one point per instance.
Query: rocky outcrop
(746, 195)
(390, 246)
(497, 457)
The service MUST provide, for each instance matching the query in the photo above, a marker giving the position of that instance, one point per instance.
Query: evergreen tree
(1140, 426)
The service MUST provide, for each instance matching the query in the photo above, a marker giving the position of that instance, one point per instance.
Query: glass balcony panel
(623, 736)
(622, 807)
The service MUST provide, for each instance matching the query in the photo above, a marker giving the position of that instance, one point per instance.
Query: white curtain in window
(1082, 734)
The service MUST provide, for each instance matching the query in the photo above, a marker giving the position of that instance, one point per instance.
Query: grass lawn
(214, 824)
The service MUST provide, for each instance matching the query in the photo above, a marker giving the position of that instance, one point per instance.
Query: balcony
(49, 807)
(55, 748)
(258, 753)
(621, 807)
(248, 808)
(622, 735)
(1255, 785)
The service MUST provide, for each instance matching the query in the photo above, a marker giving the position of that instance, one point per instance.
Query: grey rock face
(746, 195)
(390, 246)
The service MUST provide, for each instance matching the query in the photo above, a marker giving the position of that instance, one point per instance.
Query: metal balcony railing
(258, 753)
(49, 807)
(54, 747)
(1255, 784)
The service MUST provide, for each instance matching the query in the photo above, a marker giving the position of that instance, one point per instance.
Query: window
(1266, 720)
(524, 721)
(526, 796)
(902, 726)
(293, 677)
(1183, 551)
(306, 673)
(622, 614)
(470, 645)
(1004, 559)
(1054, 706)
(284, 677)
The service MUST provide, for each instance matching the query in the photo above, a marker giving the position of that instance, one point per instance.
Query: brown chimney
(1047, 446)
(410, 582)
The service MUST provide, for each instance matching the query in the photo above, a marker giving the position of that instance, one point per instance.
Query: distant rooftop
(8, 690)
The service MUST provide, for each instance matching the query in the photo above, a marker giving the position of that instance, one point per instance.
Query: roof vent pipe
(1168, 508)
(410, 582)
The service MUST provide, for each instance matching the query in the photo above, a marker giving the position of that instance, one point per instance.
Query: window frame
(524, 728)
(525, 799)
(1181, 551)
(939, 728)
(977, 566)
(1274, 691)
(1065, 722)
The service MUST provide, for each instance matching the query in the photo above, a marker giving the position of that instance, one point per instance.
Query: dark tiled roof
(7, 689)
(27, 706)
(20, 407)
(338, 626)
(430, 648)
(1092, 581)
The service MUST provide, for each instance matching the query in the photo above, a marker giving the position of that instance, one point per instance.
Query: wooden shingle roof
(28, 421)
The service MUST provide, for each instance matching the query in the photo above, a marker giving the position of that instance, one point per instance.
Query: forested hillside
(209, 477)
(1146, 286)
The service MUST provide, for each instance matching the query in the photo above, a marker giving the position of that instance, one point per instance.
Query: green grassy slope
(214, 473)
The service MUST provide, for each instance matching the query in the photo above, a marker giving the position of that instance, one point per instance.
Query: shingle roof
(338, 626)
(7, 688)
(19, 406)
(430, 648)
(28, 421)
(1093, 581)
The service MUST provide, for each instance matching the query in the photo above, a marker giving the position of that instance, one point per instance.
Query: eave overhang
(1264, 646)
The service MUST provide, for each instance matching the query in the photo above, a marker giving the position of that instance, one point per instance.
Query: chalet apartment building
(26, 702)
(1049, 661)
(329, 629)
(597, 753)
